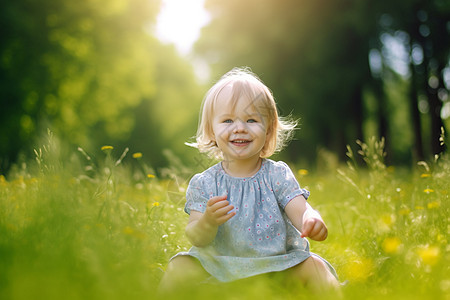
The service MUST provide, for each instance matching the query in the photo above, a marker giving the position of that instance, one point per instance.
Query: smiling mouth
(240, 142)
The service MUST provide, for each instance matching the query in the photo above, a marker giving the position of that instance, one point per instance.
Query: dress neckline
(263, 162)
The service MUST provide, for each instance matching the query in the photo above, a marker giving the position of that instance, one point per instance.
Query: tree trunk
(435, 114)
(382, 116)
(418, 153)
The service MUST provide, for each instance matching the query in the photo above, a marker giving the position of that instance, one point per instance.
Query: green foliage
(93, 72)
(314, 55)
(77, 226)
(78, 229)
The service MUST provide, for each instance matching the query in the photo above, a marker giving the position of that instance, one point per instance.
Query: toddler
(247, 214)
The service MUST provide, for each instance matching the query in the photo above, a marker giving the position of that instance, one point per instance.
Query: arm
(202, 227)
(306, 219)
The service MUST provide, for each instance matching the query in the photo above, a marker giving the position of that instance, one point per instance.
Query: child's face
(240, 131)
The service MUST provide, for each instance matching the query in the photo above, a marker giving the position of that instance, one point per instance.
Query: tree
(313, 54)
(425, 23)
(93, 73)
(315, 57)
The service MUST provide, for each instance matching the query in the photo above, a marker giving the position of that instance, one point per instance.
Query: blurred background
(132, 73)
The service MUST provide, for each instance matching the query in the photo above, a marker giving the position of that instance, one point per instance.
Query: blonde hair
(244, 83)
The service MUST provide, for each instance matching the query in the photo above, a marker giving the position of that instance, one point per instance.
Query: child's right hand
(202, 227)
(218, 211)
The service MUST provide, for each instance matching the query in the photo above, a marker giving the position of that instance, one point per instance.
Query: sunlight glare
(179, 22)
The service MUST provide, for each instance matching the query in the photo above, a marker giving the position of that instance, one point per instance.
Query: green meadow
(77, 225)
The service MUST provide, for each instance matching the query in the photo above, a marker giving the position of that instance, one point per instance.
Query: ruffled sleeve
(285, 185)
(195, 195)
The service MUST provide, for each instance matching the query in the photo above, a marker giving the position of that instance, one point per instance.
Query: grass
(75, 228)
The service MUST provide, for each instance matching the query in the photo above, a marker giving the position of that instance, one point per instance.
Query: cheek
(221, 131)
(261, 130)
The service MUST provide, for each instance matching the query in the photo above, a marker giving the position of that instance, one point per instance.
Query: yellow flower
(155, 204)
(428, 191)
(391, 245)
(151, 176)
(404, 211)
(137, 155)
(434, 204)
(107, 148)
(303, 172)
(425, 175)
(430, 255)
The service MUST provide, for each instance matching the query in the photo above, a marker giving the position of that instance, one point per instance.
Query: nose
(239, 126)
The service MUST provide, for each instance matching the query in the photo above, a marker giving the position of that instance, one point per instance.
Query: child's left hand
(315, 229)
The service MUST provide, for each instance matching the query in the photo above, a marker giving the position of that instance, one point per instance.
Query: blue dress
(259, 238)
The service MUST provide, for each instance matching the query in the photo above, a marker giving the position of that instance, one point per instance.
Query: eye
(252, 121)
(228, 121)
